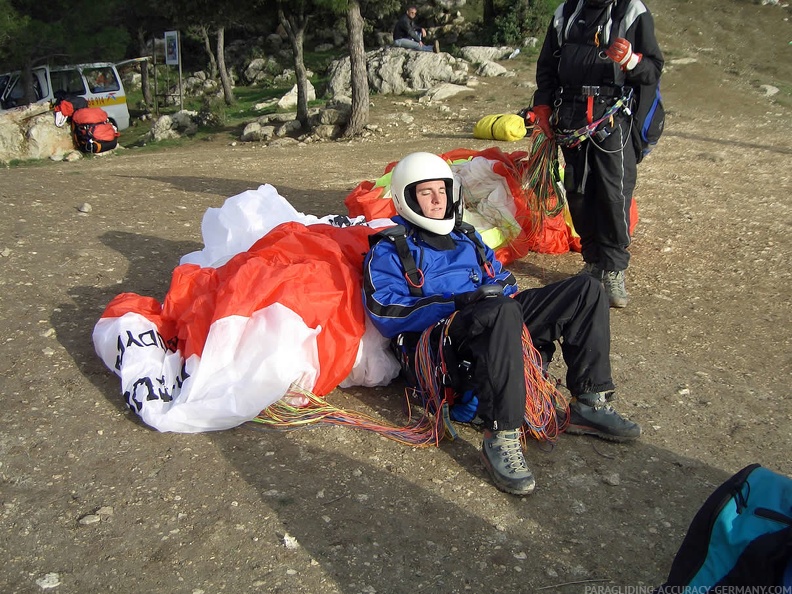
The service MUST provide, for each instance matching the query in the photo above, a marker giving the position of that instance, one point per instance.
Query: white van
(99, 83)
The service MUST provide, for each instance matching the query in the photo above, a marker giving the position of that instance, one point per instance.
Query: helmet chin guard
(421, 167)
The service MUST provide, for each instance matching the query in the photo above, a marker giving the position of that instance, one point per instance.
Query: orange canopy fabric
(541, 234)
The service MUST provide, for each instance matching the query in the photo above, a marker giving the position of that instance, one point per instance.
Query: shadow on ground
(429, 521)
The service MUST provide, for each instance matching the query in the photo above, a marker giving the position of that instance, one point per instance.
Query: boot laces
(602, 402)
(603, 405)
(614, 281)
(510, 450)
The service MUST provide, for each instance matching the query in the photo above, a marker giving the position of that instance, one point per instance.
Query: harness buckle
(590, 91)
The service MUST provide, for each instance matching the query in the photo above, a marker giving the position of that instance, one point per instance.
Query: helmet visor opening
(412, 198)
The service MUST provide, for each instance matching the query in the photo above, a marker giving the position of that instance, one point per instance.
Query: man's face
(411, 12)
(432, 199)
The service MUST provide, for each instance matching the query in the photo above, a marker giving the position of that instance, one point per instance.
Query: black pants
(487, 334)
(599, 177)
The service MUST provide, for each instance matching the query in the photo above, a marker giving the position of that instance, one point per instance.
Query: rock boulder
(30, 133)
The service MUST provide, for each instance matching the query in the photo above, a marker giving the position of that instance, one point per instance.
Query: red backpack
(92, 130)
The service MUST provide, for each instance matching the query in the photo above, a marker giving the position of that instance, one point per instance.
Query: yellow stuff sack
(504, 126)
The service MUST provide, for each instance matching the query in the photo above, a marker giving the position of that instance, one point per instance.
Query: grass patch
(14, 163)
(227, 119)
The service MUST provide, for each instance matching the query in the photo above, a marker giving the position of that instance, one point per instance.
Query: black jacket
(406, 29)
(573, 54)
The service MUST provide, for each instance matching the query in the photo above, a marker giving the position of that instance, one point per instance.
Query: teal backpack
(741, 536)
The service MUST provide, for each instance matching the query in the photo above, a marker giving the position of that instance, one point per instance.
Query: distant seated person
(408, 35)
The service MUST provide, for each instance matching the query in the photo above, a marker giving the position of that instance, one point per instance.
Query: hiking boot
(591, 270)
(590, 414)
(613, 280)
(502, 456)
(436, 47)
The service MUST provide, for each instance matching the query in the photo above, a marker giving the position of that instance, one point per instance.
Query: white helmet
(411, 171)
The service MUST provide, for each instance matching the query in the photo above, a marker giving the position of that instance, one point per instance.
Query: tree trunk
(489, 12)
(203, 31)
(295, 28)
(357, 59)
(26, 80)
(228, 92)
(144, 66)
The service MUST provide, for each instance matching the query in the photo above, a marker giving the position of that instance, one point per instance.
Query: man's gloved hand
(543, 114)
(527, 114)
(621, 52)
(464, 408)
(484, 291)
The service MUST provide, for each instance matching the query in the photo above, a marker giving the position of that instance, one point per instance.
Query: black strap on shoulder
(470, 232)
(569, 7)
(398, 236)
(375, 238)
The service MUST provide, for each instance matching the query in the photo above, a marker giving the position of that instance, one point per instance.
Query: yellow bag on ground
(504, 126)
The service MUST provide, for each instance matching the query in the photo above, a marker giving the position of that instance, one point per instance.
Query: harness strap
(470, 233)
(591, 90)
(573, 138)
(412, 274)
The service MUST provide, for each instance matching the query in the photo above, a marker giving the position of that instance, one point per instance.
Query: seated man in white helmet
(453, 271)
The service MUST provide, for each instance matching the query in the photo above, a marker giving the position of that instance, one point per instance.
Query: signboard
(172, 48)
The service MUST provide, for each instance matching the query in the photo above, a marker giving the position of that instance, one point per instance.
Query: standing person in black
(596, 54)
(408, 35)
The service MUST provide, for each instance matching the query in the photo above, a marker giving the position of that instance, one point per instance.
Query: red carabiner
(489, 269)
(409, 282)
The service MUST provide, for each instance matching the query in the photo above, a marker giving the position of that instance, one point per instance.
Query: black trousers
(488, 336)
(599, 178)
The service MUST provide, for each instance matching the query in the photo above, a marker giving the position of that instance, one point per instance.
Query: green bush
(518, 19)
(213, 112)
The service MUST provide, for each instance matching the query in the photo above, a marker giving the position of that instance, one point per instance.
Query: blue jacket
(446, 273)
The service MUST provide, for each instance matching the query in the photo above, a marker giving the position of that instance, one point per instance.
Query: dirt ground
(95, 502)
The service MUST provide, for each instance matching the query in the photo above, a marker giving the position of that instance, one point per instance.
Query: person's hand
(621, 52)
(543, 114)
(464, 408)
(423, 32)
(484, 291)
(527, 114)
